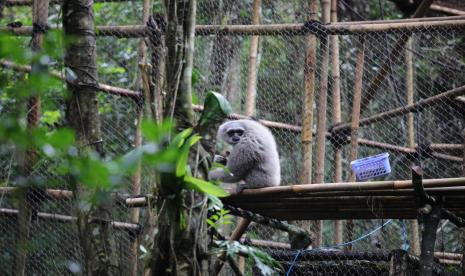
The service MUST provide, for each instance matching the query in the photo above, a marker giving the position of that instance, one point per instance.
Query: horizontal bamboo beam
(404, 20)
(265, 243)
(315, 197)
(448, 255)
(349, 186)
(102, 87)
(338, 28)
(286, 246)
(446, 10)
(333, 255)
(406, 150)
(21, 3)
(65, 218)
(460, 99)
(407, 108)
(442, 146)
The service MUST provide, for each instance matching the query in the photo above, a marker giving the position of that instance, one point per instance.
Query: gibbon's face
(233, 135)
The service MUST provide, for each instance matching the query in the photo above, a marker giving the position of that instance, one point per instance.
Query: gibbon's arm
(241, 160)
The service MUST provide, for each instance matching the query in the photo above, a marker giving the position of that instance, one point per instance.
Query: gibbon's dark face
(234, 135)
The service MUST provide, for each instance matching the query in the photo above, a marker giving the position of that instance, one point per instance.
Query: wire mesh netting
(409, 108)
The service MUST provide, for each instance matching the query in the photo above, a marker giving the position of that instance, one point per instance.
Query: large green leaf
(181, 163)
(204, 186)
(215, 109)
(179, 139)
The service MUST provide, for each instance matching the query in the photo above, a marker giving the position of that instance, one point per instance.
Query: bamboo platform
(356, 200)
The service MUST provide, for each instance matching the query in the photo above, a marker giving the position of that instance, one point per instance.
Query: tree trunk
(27, 205)
(179, 250)
(82, 116)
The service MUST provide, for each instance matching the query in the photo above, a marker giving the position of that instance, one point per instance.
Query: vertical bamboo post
(336, 95)
(136, 179)
(26, 208)
(307, 118)
(356, 117)
(252, 73)
(415, 234)
(250, 101)
(321, 115)
(463, 230)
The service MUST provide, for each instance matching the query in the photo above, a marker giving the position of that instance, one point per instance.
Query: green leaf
(204, 186)
(50, 117)
(181, 163)
(179, 139)
(153, 131)
(196, 76)
(216, 109)
(62, 138)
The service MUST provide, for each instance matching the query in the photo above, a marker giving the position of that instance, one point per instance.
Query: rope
(337, 245)
(405, 241)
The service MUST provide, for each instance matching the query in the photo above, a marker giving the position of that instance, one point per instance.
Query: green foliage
(266, 264)
(222, 217)
(216, 109)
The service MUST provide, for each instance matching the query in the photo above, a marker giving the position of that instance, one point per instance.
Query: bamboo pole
(451, 192)
(307, 117)
(446, 10)
(355, 122)
(251, 94)
(101, 87)
(463, 230)
(428, 102)
(348, 186)
(415, 232)
(346, 28)
(65, 218)
(392, 58)
(20, 3)
(241, 227)
(336, 101)
(332, 29)
(136, 178)
(321, 116)
(461, 99)
(26, 205)
(439, 146)
(250, 101)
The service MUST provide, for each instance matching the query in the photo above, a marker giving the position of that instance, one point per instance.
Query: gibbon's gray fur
(254, 157)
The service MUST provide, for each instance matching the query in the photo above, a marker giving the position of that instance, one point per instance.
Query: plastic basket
(371, 166)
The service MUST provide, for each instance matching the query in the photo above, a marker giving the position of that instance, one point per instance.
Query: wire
(405, 241)
(343, 2)
(337, 245)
